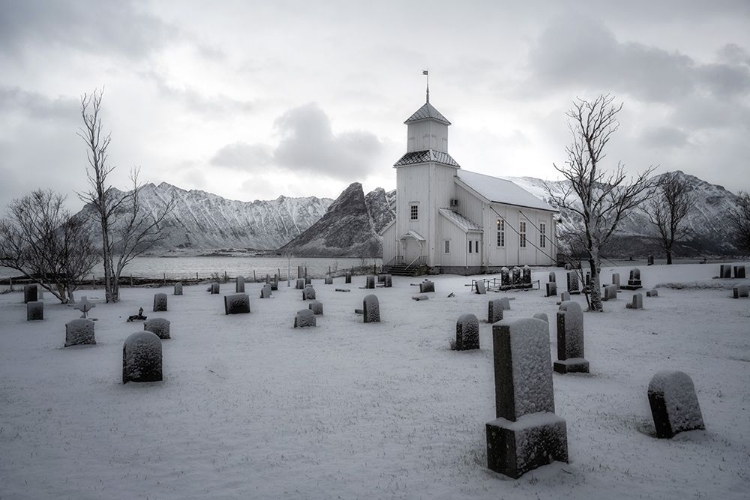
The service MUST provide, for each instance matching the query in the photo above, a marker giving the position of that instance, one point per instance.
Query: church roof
(467, 225)
(426, 156)
(496, 190)
(425, 112)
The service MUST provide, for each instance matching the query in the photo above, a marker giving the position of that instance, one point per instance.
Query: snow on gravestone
(158, 326)
(300, 284)
(652, 293)
(265, 292)
(635, 278)
(739, 272)
(739, 291)
(178, 288)
(308, 293)
(370, 283)
(308, 281)
(550, 289)
(30, 293)
(215, 289)
(316, 307)
(239, 284)
(160, 302)
(35, 311)
(573, 285)
(494, 311)
(610, 292)
(79, 332)
(467, 333)
(238, 303)
(541, 316)
(616, 280)
(526, 275)
(304, 318)
(479, 287)
(637, 302)
(674, 404)
(371, 309)
(329, 281)
(564, 296)
(570, 339)
(505, 301)
(141, 358)
(526, 433)
(426, 286)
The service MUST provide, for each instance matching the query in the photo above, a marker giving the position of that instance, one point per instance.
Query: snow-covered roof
(425, 112)
(425, 156)
(467, 225)
(413, 234)
(496, 190)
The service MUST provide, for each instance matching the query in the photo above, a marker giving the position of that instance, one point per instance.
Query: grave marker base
(571, 365)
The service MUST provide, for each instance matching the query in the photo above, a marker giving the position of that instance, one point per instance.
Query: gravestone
(674, 404)
(238, 303)
(79, 332)
(178, 288)
(610, 292)
(635, 278)
(479, 287)
(740, 291)
(308, 281)
(239, 284)
(329, 280)
(159, 326)
(371, 309)
(420, 297)
(370, 282)
(505, 301)
(265, 292)
(550, 289)
(381, 278)
(516, 276)
(388, 283)
(275, 283)
(84, 305)
(300, 284)
(616, 280)
(570, 339)
(141, 358)
(526, 433)
(504, 276)
(35, 310)
(526, 275)
(568, 266)
(467, 333)
(308, 293)
(564, 296)
(348, 278)
(494, 311)
(30, 293)
(541, 316)
(573, 282)
(160, 302)
(725, 271)
(215, 289)
(427, 286)
(587, 279)
(739, 272)
(636, 303)
(650, 260)
(552, 277)
(316, 307)
(304, 318)
(652, 293)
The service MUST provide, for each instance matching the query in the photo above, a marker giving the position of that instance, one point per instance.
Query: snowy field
(252, 408)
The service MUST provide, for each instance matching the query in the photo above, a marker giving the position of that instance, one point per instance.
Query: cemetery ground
(250, 407)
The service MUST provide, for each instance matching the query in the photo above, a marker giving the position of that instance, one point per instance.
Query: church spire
(427, 74)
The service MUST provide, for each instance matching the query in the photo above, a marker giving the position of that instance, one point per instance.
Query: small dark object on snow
(137, 317)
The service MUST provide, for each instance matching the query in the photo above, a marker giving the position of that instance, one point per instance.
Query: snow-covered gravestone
(158, 326)
(505, 301)
(30, 293)
(370, 283)
(504, 276)
(141, 358)
(552, 277)
(725, 271)
(300, 284)
(610, 292)
(479, 287)
(637, 302)
(304, 318)
(739, 272)
(388, 283)
(79, 332)
(494, 311)
(265, 292)
(550, 289)
(564, 296)
(541, 316)
(573, 283)
(467, 333)
(674, 404)
(570, 339)
(178, 288)
(308, 281)
(739, 291)
(238, 303)
(516, 279)
(308, 293)
(427, 286)
(316, 307)
(635, 278)
(526, 433)
(616, 280)
(420, 297)
(35, 310)
(652, 293)
(348, 278)
(371, 309)
(275, 283)
(526, 275)
(215, 289)
(329, 280)
(160, 302)
(239, 284)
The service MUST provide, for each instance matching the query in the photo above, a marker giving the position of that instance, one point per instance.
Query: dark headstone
(308, 281)
(265, 292)
(388, 283)
(178, 288)
(275, 283)
(610, 292)
(30, 293)
(237, 304)
(550, 289)
(371, 309)
(516, 276)
(141, 358)
(573, 282)
(552, 277)
(381, 278)
(674, 404)
(494, 311)
(79, 332)
(568, 267)
(215, 289)
(316, 307)
(34, 311)
(740, 291)
(348, 278)
(616, 280)
(300, 284)
(725, 271)
(304, 318)
(159, 326)
(636, 303)
(329, 281)
(652, 293)
(370, 282)
(308, 293)
(650, 260)
(526, 275)
(427, 286)
(739, 272)
(635, 278)
(479, 287)
(570, 339)
(160, 302)
(504, 276)
(467, 333)
(239, 284)
(526, 434)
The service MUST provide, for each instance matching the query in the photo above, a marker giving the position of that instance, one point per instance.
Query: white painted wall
(427, 134)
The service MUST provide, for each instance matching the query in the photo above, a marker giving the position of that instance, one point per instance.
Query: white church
(450, 220)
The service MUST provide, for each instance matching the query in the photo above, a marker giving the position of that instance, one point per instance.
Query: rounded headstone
(79, 332)
(371, 309)
(141, 358)
(238, 303)
(308, 293)
(35, 311)
(178, 288)
(159, 326)
(674, 403)
(160, 302)
(304, 318)
(316, 307)
(215, 289)
(467, 332)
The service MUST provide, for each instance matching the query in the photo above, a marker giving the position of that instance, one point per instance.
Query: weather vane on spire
(427, 74)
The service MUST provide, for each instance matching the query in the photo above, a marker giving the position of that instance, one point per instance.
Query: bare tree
(599, 197)
(127, 229)
(741, 222)
(672, 200)
(44, 242)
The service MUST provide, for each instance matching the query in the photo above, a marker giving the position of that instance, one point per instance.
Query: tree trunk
(669, 256)
(107, 256)
(596, 289)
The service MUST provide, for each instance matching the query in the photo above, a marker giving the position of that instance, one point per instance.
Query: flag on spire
(425, 72)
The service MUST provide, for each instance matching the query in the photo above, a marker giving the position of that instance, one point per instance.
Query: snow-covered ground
(252, 408)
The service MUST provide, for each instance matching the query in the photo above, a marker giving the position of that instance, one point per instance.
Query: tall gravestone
(526, 433)
(504, 276)
(275, 283)
(239, 284)
(238, 303)
(388, 283)
(30, 293)
(550, 289)
(371, 309)
(141, 358)
(526, 276)
(160, 302)
(35, 311)
(467, 333)
(370, 282)
(348, 278)
(574, 286)
(610, 292)
(674, 404)
(725, 271)
(570, 339)
(158, 326)
(516, 276)
(739, 272)
(616, 280)
(215, 289)
(634, 282)
(494, 311)
(300, 285)
(552, 277)
(79, 332)
(650, 260)
(178, 288)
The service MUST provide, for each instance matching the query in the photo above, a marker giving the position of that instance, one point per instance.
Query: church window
(500, 232)
(542, 235)
(469, 246)
(447, 246)
(476, 246)
(522, 234)
(414, 211)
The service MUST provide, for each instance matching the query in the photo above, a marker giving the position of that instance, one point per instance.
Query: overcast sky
(255, 99)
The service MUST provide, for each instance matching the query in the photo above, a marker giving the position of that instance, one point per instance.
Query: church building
(454, 221)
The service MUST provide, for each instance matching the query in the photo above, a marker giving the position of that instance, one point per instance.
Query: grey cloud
(734, 54)
(663, 137)
(725, 80)
(37, 105)
(216, 106)
(243, 155)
